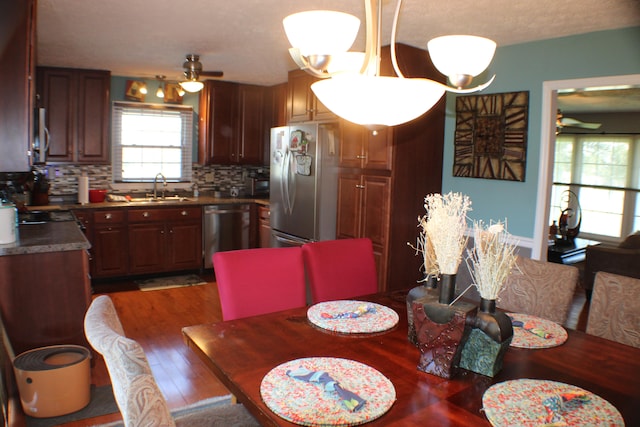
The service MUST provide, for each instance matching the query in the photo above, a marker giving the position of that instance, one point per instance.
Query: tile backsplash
(63, 179)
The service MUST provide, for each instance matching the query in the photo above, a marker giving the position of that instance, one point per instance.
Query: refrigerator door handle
(291, 182)
(283, 182)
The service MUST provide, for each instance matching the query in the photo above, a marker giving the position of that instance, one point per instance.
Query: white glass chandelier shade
(461, 54)
(351, 62)
(377, 101)
(192, 86)
(321, 32)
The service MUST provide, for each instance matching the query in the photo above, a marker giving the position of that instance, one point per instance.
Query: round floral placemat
(527, 402)
(352, 317)
(299, 392)
(534, 332)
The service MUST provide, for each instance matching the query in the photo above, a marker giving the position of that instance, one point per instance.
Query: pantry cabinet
(76, 102)
(385, 175)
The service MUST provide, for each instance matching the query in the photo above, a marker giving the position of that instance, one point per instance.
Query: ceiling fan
(192, 72)
(562, 122)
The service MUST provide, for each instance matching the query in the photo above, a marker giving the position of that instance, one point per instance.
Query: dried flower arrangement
(491, 258)
(443, 230)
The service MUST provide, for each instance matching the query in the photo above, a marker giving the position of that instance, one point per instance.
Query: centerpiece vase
(425, 291)
(488, 341)
(440, 327)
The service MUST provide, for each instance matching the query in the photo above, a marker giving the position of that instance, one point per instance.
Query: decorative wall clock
(491, 136)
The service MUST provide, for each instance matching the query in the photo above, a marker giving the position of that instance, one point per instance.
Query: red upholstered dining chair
(340, 269)
(259, 281)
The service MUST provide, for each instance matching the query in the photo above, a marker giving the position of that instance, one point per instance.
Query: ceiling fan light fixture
(192, 86)
(160, 91)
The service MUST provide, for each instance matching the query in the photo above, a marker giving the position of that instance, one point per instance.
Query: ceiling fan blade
(211, 73)
(568, 121)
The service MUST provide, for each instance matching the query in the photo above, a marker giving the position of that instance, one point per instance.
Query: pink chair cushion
(340, 269)
(258, 281)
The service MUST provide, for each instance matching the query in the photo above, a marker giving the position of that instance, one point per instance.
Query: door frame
(547, 148)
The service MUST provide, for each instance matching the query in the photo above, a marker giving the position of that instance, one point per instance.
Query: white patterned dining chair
(137, 394)
(614, 312)
(540, 288)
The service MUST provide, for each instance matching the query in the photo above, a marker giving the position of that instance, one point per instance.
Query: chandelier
(351, 85)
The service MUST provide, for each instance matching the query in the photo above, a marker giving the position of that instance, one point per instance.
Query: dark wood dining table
(241, 352)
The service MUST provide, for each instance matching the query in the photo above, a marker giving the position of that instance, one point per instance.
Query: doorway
(547, 148)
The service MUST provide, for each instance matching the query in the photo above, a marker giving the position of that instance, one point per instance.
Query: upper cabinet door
(77, 113)
(302, 102)
(366, 149)
(253, 133)
(93, 116)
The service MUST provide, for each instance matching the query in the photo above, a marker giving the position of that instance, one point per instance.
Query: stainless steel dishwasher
(226, 228)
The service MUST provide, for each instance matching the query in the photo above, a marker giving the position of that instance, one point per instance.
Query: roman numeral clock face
(491, 136)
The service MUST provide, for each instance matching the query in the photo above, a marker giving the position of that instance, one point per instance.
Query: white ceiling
(245, 39)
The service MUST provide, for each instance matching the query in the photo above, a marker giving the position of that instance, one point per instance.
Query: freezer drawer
(225, 228)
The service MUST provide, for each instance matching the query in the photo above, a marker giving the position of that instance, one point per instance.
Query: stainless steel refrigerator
(303, 183)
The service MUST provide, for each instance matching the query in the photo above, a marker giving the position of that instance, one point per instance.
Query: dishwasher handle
(221, 210)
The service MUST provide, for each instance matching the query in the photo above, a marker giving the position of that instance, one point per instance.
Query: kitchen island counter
(46, 237)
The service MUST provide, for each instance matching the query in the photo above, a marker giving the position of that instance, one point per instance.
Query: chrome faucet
(155, 186)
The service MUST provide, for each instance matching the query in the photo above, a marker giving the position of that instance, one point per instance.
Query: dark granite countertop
(46, 237)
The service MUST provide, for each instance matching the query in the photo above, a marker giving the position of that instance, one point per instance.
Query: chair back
(137, 394)
(340, 269)
(258, 281)
(614, 312)
(540, 288)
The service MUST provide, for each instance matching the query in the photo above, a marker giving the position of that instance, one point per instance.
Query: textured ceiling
(245, 39)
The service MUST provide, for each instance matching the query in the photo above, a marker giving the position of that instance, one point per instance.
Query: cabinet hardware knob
(184, 213)
(361, 157)
(161, 231)
(145, 214)
(108, 216)
(359, 186)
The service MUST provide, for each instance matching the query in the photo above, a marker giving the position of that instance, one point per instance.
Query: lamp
(192, 85)
(143, 89)
(356, 91)
(160, 91)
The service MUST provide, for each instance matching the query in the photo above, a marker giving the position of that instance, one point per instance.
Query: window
(603, 171)
(151, 139)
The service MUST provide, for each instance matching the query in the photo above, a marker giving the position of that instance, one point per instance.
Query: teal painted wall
(525, 67)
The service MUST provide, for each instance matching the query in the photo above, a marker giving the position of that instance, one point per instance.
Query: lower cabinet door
(110, 251)
(146, 248)
(184, 246)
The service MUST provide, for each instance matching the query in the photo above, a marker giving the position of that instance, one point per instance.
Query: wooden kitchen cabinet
(164, 239)
(264, 226)
(17, 62)
(44, 297)
(303, 105)
(77, 113)
(364, 148)
(232, 126)
(384, 177)
(109, 244)
(363, 211)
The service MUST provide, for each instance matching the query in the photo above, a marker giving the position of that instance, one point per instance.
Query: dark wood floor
(155, 319)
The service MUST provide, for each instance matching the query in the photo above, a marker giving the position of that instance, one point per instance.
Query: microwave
(257, 186)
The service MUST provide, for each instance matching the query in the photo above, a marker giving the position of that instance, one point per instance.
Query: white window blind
(149, 139)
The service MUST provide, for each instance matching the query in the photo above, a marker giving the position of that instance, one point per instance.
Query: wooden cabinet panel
(165, 239)
(264, 227)
(109, 244)
(252, 125)
(93, 117)
(349, 206)
(17, 62)
(77, 113)
(302, 103)
(363, 148)
(376, 192)
(43, 298)
(232, 124)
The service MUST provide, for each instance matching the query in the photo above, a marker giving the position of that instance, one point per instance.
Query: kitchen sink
(159, 200)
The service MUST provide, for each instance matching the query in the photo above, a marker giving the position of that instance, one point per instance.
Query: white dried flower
(491, 258)
(444, 227)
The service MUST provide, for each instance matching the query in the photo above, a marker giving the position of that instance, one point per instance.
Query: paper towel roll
(83, 190)
(7, 224)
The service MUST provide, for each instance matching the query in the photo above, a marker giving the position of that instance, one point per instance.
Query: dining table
(242, 352)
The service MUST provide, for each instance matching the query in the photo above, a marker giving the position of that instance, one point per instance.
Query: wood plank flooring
(155, 319)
